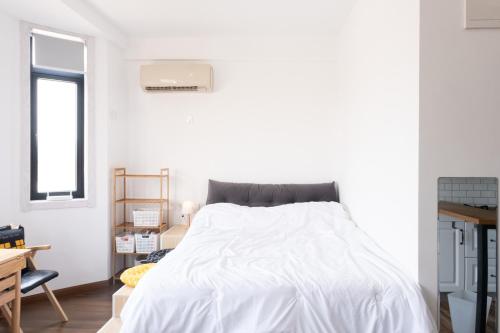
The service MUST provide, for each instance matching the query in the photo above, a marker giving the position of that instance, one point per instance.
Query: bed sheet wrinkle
(299, 268)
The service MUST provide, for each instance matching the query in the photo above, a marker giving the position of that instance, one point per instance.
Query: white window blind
(58, 54)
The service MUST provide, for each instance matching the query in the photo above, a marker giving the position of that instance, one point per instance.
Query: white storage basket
(146, 243)
(146, 218)
(125, 243)
(463, 310)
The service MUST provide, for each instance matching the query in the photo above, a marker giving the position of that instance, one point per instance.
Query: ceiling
(48, 12)
(184, 18)
(223, 17)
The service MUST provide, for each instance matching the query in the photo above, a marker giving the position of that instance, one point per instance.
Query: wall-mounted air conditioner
(176, 76)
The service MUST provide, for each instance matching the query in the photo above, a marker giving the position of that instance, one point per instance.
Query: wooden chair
(12, 262)
(31, 277)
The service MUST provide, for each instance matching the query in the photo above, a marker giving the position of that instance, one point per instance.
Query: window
(57, 112)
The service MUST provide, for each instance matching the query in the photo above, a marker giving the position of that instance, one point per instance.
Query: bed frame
(269, 195)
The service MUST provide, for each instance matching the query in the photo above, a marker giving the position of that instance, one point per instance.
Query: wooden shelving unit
(141, 201)
(120, 224)
(129, 226)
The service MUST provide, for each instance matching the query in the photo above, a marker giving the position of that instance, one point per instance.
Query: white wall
(302, 48)
(266, 121)
(117, 108)
(376, 123)
(292, 112)
(8, 102)
(459, 115)
(80, 236)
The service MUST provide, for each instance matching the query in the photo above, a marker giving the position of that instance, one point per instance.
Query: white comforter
(295, 268)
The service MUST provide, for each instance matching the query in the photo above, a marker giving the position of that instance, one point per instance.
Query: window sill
(57, 204)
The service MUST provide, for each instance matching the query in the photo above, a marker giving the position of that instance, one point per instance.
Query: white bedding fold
(300, 268)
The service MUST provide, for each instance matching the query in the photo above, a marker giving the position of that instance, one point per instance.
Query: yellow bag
(131, 276)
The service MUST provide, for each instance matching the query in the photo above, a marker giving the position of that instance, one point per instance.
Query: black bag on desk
(11, 238)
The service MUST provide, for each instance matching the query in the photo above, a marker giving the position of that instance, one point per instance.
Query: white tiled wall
(472, 191)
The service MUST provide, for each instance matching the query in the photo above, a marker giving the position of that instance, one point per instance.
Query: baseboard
(68, 291)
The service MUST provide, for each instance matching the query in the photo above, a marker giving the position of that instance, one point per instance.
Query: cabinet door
(471, 275)
(482, 14)
(471, 241)
(451, 257)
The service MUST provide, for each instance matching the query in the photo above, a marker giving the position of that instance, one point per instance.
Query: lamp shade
(187, 207)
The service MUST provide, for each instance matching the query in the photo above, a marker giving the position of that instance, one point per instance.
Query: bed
(275, 258)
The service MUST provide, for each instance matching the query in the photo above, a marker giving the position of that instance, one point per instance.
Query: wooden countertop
(9, 254)
(467, 213)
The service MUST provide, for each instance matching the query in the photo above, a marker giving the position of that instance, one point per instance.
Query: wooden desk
(483, 220)
(11, 264)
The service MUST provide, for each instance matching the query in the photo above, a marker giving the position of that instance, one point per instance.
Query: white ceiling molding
(96, 18)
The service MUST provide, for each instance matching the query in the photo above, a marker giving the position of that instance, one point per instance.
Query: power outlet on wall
(179, 218)
(177, 215)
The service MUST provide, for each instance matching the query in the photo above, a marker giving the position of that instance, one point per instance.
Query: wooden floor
(87, 312)
(445, 320)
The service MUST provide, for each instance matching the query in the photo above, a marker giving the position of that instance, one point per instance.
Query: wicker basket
(125, 243)
(146, 243)
(146, 218)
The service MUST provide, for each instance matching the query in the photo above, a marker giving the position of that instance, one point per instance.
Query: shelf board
(141, 201)
(132, 254)
(141, 176)
(130, 226)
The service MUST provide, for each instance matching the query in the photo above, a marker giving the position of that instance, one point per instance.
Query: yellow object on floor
(131, 276)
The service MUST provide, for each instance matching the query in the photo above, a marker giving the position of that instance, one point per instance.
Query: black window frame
(79, 80)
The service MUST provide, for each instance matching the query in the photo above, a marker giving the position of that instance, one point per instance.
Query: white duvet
(300, 268)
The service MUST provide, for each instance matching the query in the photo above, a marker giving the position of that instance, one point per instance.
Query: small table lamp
(188, 210)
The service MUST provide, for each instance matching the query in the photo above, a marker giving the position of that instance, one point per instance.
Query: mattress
(301, 268)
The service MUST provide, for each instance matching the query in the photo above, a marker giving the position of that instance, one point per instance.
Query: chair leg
(55, 302)
(8, 315)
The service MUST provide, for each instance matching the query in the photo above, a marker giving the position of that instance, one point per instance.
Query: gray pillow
(268, 195)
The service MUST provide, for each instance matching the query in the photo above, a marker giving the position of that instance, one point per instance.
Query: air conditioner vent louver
(176, 77)
(173, 88)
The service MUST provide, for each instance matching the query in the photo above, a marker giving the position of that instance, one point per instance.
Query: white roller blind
(57, 53)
